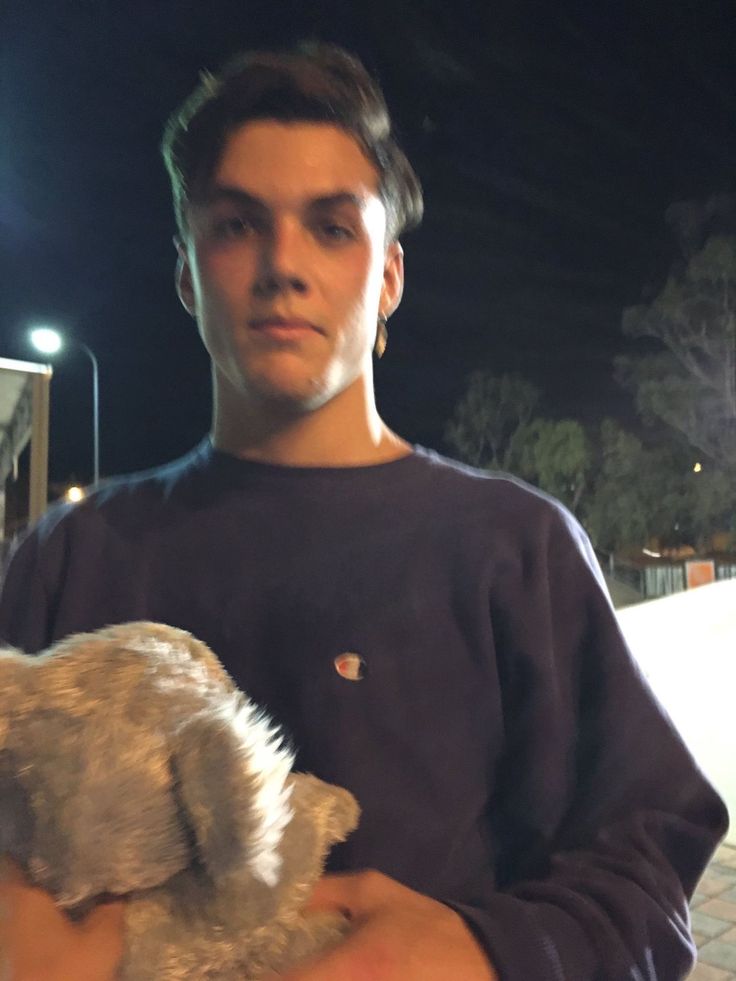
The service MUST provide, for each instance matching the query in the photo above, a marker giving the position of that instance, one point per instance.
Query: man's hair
(313, 83)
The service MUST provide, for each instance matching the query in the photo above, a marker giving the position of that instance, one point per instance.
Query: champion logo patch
(350, 666)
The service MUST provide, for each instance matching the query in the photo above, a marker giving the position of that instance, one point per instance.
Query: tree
(691, 384)
(493, 427)
(645, 492)
(554, 455)
(488, 416)
(710, 498)
(637, 492)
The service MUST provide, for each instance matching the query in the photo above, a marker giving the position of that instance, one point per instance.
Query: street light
(75, 494)
(47, 340)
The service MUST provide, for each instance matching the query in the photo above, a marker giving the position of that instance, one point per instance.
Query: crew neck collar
(210, 455)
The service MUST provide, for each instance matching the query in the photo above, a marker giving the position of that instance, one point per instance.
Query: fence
(659, 579)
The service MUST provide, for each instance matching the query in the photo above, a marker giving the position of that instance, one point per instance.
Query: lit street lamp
(75, 493)
(50, 341)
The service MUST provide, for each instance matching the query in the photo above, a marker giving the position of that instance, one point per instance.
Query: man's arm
(38, 941)
(25, 605)
(397, 935)
(601, 893)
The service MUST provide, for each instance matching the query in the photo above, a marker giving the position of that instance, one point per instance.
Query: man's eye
(333, 231)
(233, 226)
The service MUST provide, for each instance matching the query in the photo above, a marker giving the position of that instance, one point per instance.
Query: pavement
(713, 913)
(684, 645)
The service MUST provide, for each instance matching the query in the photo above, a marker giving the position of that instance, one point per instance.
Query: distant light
(46, 340)
(654, 555)
(75, 494)
(697, 468)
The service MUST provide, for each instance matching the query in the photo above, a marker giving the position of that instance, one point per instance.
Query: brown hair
(312, 83)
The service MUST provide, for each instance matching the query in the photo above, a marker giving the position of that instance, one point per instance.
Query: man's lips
(283, 326)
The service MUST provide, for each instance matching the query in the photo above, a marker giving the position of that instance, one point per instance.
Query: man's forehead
(297, 161)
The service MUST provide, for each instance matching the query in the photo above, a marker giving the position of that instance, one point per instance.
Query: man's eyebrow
(337, 199)
(236, 195)
(243, 198)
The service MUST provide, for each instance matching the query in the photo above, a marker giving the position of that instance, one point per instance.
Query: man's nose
(282, 266)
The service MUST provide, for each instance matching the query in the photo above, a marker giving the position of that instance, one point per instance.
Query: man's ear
(393, 279)
(183, 277)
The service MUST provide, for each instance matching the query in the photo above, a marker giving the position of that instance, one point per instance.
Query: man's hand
(398, 935)
(38, 941)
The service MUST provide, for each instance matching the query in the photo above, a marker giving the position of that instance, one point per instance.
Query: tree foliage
(628, 489)
(637, 493)
(690, 384)
(488, 417)
(554, 455)
(493, 427)
(625, 491)
(651, 493)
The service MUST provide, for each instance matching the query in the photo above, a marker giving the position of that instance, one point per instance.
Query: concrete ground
(685, 645)
(713, 912)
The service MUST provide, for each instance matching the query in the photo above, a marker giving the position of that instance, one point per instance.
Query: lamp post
(47, 340)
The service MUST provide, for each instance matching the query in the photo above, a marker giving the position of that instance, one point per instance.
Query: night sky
(550, 139)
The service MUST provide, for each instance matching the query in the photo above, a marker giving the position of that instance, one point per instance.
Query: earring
(381, 337)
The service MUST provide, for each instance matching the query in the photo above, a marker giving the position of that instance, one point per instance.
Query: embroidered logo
(350, 666)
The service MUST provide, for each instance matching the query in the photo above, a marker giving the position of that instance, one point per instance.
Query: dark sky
(550, 139)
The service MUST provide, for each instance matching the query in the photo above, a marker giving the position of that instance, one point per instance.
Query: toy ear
(231, 770)
(333, 811)
(323, 816)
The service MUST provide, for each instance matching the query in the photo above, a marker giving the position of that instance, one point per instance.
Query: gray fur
(130, 765)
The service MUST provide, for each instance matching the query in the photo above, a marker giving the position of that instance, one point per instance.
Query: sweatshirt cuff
(530, 941)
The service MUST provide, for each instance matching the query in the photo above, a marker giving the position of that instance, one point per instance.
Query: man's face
(285, 265)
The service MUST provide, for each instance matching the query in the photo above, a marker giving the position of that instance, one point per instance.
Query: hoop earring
(381, 337)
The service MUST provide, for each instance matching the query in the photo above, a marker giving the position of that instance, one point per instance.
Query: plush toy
(130, 765)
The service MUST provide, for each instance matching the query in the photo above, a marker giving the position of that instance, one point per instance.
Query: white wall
(685, 644)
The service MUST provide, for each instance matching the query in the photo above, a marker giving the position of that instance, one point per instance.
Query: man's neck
(345, 432)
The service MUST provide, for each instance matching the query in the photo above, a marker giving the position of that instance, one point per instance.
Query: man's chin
(288, 400)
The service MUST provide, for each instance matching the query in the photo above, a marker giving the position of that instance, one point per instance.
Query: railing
(660, 579)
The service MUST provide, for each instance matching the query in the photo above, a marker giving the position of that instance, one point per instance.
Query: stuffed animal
(130, 765)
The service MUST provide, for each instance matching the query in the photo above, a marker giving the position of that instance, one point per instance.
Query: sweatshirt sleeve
(601, 892)
(27, 599)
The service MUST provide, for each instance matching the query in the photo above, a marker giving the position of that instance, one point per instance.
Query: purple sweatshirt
(508, 756)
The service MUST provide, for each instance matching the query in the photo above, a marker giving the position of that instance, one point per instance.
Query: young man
(527, 808)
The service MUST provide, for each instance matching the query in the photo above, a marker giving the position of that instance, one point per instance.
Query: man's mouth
(287, 326)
